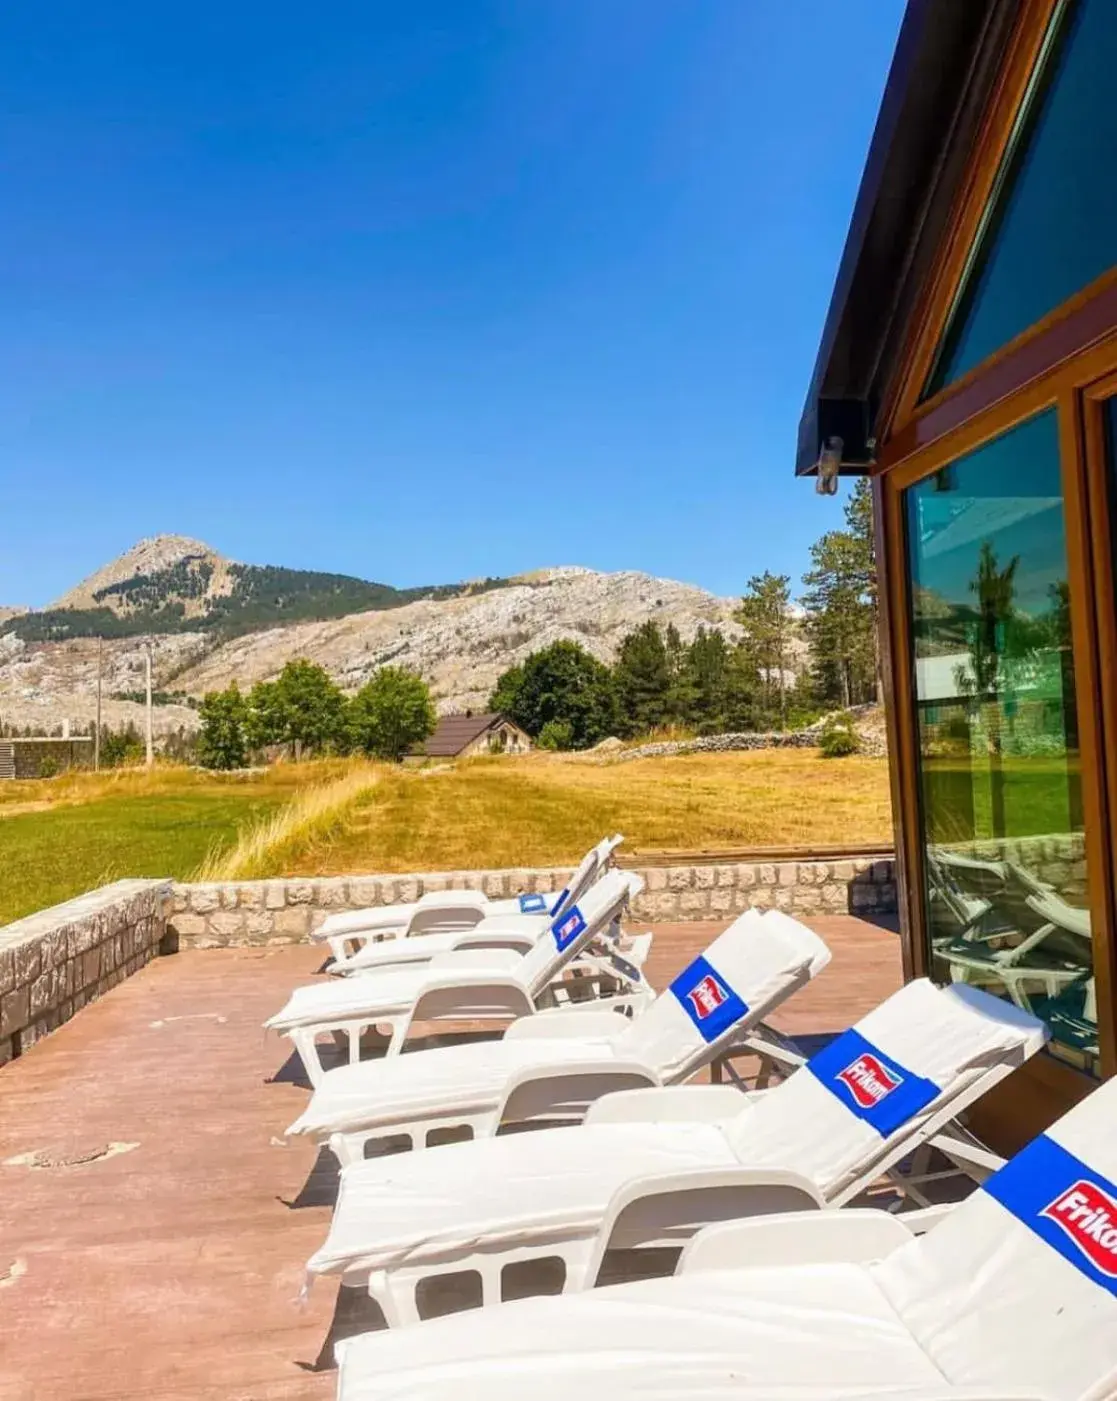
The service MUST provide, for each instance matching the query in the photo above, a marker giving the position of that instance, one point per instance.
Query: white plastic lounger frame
(650, 1167)
(457, 911)
(1012, 1296)
(550, 1067)
(518, 932)
(486, 985)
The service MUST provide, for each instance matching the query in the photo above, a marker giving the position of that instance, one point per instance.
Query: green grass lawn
(59, 852)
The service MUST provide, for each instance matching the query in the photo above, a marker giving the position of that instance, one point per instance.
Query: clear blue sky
(422, 290)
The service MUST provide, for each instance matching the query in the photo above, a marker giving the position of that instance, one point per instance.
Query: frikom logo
(1088, 1215)
(868, 1081)
(707, 996)
(569, 927)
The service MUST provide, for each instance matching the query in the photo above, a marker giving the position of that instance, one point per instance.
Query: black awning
(946, 61)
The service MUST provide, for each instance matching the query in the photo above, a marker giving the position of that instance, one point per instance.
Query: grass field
(59, 837)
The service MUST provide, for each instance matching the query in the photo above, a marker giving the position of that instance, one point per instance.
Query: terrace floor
(168, 1263)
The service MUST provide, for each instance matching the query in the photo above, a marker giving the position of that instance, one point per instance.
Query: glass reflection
(1006, 892)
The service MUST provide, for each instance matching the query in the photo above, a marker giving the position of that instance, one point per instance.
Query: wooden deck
(166, 1264)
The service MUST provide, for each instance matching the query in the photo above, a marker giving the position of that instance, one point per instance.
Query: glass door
(1006, 896)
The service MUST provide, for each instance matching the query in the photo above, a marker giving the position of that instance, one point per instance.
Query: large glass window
(1051, 225)
(1006, 892)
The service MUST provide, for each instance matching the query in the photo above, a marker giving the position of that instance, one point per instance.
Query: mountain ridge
(459, 637)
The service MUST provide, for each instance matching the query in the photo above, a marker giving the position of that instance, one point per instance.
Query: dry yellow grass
(549, 809)
(304, 825)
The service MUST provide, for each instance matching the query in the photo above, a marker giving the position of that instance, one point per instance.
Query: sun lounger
(649, 1167)
(554, 1065)
(1011, 1296)
(495, 931)
(475, 985)
(454, 911)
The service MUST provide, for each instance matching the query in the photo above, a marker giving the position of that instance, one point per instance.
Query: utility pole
(147, 682)
(97, 731)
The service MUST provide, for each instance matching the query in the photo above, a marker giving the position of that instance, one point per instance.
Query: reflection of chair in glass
(964, 912)
(1043, 921)
(1073, 1017)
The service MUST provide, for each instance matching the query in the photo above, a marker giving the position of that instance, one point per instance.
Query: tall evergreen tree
(643, 679)
(708, 665)
(840, 624)
(765, 614)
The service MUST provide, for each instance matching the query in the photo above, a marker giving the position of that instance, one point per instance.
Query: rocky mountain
(202, 621)
(172, 584)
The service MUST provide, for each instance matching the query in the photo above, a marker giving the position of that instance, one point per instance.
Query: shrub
(49, 766)
(838, 737)
(556, 734)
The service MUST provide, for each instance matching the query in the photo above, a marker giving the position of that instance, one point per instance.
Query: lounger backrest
(590, 869)
(872, 1087)
(569, 932)
(1018, 1286)
(748, 970)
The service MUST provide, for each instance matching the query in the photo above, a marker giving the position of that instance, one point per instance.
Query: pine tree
(642, 677)
(765, 614)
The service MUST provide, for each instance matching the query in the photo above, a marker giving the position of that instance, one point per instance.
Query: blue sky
(425, 290)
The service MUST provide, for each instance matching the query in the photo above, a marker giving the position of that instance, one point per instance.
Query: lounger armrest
(566, 1091)
(511, 924)
(663, 1104)
(494, 960)
(518, 941)
(851, 1237)
(668, 1208)
(575, 1021)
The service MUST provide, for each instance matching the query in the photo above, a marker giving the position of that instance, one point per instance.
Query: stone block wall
(221, 914)
(54, 962)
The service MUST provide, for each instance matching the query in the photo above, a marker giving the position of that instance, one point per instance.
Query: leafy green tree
(765, 614)
(562, 682)
(221, 742)
(306, 709)
(391, 714)
(505, 699)
(264, 724)
(642, 676)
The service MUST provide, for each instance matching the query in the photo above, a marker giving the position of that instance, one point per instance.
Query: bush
(838, 737)
(49, 767)
(556, 734)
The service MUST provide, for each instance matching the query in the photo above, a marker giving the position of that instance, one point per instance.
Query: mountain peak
(149, 556)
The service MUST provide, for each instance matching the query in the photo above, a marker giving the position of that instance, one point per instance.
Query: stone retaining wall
(285, 911)
(53, 963)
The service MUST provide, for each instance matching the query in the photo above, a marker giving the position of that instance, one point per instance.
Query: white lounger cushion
(979, 1302)
(511, 1190)
(421, 948)
(531, 1187)
(395, 990)
(760, 958)
(946, 1036)
(755, 1334)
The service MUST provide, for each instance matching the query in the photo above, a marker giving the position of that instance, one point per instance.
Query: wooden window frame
(1076, 391)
